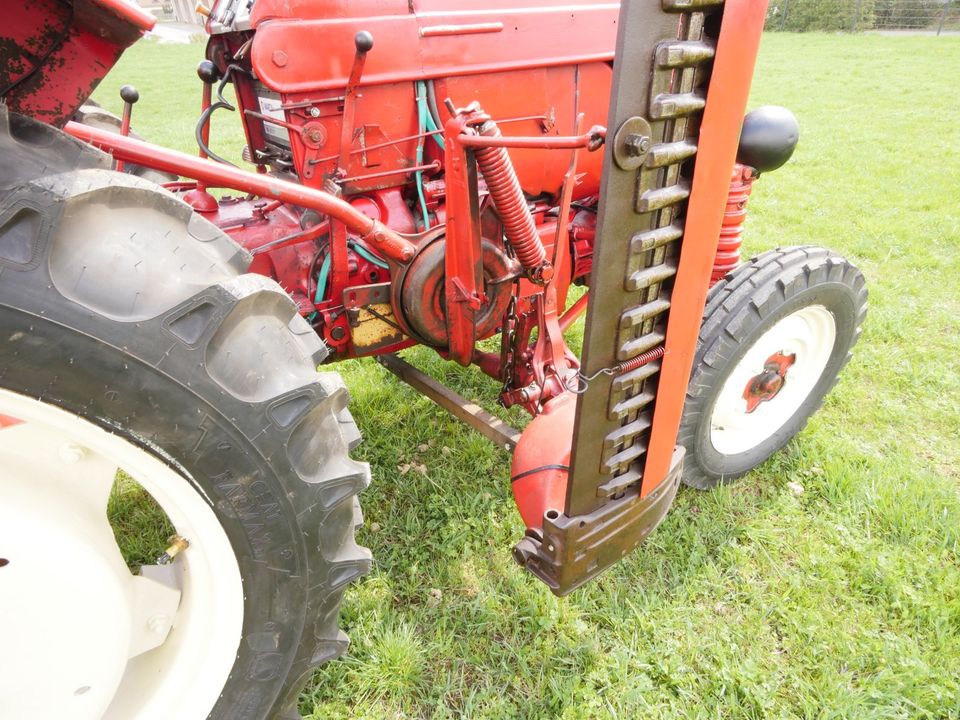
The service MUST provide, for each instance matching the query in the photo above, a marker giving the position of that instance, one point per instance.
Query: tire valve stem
(177, 545)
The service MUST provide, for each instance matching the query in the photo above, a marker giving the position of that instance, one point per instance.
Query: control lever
(199, 199)
(363, 41)
(130, 95)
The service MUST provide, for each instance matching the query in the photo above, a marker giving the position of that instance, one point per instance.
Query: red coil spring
(731, 232)
(507, 196)
(641, 359)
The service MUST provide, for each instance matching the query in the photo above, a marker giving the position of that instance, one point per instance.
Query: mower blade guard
(671, 145)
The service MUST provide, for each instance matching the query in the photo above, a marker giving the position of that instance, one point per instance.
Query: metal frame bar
(490, 426)
(214, 174)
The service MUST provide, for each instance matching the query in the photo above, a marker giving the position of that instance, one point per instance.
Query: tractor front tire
(776, 333)
(131, 338)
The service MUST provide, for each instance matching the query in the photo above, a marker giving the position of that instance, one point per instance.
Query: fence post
(943, 17)
(856, 16)
(783, 15)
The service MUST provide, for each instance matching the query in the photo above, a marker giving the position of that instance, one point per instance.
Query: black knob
(768, 138)
(363, 41)
(208, 72)
(129, 94)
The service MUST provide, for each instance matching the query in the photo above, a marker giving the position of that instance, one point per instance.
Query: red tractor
(436, 172)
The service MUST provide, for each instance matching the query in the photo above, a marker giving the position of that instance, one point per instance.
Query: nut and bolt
(71, 453)
(636, 145)
(159, 624)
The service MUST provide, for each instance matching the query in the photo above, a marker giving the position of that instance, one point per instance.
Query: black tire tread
(180, 345)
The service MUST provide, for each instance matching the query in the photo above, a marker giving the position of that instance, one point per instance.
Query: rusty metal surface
(469, 412)
(659, 76)
(54, 54)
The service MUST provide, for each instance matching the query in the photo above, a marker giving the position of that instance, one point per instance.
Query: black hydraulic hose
(221, 102)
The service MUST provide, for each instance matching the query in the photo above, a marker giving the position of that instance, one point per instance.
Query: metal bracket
(632, 143)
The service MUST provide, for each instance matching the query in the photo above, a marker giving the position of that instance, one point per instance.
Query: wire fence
(920, 16)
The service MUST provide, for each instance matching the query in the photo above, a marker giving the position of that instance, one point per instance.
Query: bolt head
(279, 58)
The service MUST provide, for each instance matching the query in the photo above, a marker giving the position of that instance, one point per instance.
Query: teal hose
(322, 278)
(364, 253)
(422, 115)
(432, 126)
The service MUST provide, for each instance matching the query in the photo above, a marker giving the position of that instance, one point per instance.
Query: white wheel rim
(83, 638)
(809, 334)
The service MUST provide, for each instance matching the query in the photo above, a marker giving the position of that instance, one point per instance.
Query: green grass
(749, 601)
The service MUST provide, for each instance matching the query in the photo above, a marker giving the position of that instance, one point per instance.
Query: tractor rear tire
(802, 305)
(121, 307)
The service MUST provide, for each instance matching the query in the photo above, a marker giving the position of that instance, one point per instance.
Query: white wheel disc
(809, 334)
(83, 638)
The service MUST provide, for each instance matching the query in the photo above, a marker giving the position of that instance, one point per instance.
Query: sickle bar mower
(472, 177)
(378, 258)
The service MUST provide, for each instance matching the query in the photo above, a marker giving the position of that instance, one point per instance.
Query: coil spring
(511, 206)
(731, 232)
(583, 381)
(641, 359)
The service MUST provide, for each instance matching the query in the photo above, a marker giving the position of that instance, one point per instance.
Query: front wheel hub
(765, 386)
(792, 353)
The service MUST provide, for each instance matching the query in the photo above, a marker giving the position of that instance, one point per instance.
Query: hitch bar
(490, 426)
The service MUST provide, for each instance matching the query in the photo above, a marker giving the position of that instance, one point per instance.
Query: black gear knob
(129, 94)
(363, 41)
(208, 72)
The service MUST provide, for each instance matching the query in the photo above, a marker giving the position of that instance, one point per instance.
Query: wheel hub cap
(766, 385)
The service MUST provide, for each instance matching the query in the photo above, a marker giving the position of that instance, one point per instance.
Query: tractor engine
(362, 116)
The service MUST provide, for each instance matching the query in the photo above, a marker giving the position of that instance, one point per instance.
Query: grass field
(750, 601)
